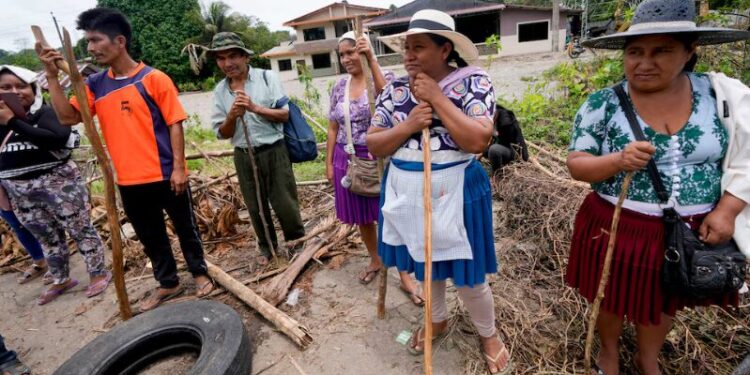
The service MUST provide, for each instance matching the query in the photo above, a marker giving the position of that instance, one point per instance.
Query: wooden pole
(79, 88)
(555, 25)
(370, 85)
(427, 195)
(605, 273)
(290, 327)
(256, 181)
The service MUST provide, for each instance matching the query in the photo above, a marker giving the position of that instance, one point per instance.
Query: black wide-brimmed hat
(667, 17)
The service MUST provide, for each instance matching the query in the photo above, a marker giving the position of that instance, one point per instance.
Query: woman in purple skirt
(352, 208)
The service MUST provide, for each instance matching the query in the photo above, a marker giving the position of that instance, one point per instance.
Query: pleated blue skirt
(478, 221)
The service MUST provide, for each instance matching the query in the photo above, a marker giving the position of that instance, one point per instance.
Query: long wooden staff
(258, 196)
(370, 85)
(427, 196)
(79, 88)
(605, 272)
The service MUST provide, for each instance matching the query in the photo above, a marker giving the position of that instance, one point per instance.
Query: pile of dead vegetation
(543, 321)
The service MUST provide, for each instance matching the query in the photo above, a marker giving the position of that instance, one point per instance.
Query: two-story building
(316, 41)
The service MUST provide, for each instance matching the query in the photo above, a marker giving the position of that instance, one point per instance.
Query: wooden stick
(321, 127)
(427, 194)
(605, 273)
(79, 88)
(290, 327)
(370, 84)
(39, 36)
(256, 181)
(546, 152)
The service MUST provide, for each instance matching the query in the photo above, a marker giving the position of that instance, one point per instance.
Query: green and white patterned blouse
(689, 161)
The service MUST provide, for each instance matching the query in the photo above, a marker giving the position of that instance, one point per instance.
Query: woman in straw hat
(352, 208)
(702, 156)
(457, 103)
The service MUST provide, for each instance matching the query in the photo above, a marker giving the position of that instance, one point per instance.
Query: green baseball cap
(226, 40)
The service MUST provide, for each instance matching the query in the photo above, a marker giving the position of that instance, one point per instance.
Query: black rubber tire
(210, 328)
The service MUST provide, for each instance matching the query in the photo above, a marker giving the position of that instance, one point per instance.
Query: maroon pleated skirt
(634, 290)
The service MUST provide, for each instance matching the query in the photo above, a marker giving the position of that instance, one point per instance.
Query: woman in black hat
(702, 156)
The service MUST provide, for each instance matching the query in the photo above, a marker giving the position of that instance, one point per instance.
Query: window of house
(321, 61)
(285, 65)
(529, 32)
(316, 33)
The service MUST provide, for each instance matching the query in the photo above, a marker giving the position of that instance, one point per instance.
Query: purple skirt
(351, 208)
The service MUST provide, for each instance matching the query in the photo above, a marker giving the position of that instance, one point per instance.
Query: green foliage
(312, 95)
(25, 58)
(160, 30)
(218, 17)
(195, 131)
(493, 41)
(547, 107)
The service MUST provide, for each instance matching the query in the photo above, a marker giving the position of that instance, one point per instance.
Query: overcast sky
(17, 15)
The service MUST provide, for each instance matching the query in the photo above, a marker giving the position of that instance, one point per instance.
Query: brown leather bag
(362, 173)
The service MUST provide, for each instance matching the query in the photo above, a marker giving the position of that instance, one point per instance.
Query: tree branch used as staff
(79, 88)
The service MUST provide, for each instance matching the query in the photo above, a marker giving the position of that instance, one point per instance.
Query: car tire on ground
(210, 328)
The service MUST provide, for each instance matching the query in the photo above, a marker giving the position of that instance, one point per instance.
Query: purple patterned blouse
(359, 110)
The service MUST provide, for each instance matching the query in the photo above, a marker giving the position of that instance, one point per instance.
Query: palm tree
(215, 18)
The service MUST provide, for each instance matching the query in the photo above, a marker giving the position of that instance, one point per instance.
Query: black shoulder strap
(653, 173)
(265, 78)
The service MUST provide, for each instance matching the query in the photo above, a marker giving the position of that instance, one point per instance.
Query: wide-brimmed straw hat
(226, 40)
(675, 17)
(430, 21)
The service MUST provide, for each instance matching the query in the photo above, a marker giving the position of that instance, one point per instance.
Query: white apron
(403, 213)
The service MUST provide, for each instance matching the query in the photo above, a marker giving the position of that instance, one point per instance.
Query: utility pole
(555, 25)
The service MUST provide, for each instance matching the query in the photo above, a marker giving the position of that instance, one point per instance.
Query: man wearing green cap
(247, 99)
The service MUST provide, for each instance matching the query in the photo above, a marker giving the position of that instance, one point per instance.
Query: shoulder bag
(691, 268)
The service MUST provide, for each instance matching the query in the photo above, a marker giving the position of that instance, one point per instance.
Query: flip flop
(15, 367)
(154, 300)
(508, 365)
(597, 370)
(417, 333)
(200, 288)
(50, 294)
(415, 298)
(96, 288)
(367, 276)
(32, 273)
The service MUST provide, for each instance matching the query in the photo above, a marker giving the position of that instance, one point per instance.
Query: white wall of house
(511, 45)
(287, 74)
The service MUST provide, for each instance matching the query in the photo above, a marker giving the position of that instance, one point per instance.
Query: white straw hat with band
(675, 17)
(430, 21)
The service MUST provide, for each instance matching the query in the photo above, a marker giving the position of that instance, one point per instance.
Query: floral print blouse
(359, 110)
(689, 162)
(474, 95)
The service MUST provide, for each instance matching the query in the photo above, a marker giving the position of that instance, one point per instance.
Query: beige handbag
(362, 173)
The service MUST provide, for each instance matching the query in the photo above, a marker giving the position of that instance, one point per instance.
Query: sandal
(32, 273)
(96, 288)
(50, 294)
(367, 276)
(492, 361)
(414, 296)
(155, 299)
(15, 367)
(417, 334)
(201, 289)
(597, 370)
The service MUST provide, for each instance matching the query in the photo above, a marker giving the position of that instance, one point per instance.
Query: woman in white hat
(457, 103)
(702, 155)
(44, 185)
(346, 134)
